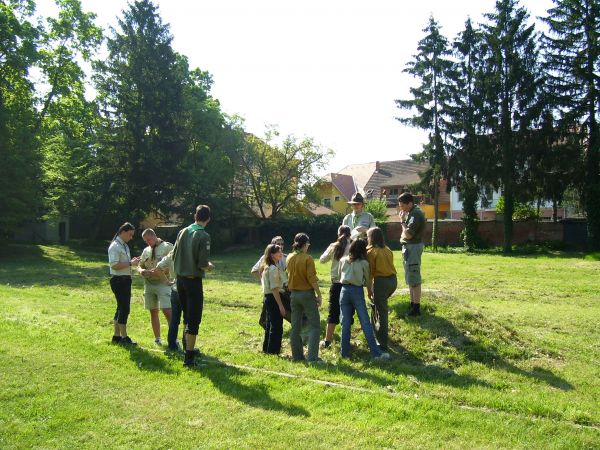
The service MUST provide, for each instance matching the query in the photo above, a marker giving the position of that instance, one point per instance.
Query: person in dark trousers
(382, 283)
(413, 226)
(191, 255)
(334, 253)
(256, 272)
(120, 263)
(305, 299)
(272, 287)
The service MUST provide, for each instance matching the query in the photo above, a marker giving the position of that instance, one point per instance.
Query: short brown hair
(202, 213)
(406, 197)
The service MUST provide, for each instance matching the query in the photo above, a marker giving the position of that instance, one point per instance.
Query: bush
(322, 230)
(378, 208)
(522, 211)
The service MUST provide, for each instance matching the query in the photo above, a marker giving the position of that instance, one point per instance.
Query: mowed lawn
(505, 355)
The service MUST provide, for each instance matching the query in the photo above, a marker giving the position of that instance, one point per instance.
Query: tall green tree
(573, 67)
(140, 92)
(65, 122)
(512, 106)
(214, 141)
(280, 176)
(19, 150)
(468, 165)
(432, 66)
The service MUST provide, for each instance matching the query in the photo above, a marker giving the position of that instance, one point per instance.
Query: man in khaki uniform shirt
(157, 291)
(358, 220)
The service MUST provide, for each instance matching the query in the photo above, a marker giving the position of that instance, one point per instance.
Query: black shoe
(116, 340)
(189, 358)
(176, 349)
(127, 341)
(415, 310)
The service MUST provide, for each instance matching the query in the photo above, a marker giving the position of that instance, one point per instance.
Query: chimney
(377, 166)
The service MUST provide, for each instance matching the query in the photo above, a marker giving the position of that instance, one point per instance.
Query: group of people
(172, 281)
(359, 258)
(173, 275)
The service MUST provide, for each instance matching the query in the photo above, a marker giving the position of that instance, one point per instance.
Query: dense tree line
(512, 108)
(152, 140)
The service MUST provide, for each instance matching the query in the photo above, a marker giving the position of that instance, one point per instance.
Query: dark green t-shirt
(415, 222)
(191, 251)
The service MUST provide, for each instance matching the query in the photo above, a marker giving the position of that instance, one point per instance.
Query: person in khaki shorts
(413, 226)
(157, 290)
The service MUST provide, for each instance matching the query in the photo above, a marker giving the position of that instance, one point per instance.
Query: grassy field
(506, 355)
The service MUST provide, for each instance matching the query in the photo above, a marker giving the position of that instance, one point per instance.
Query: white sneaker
(384, 356)
(157, 341)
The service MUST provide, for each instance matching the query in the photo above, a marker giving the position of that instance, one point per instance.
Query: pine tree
(573, 66)
(467, 163)
(430, 103)
(512, 105)
(140, 91)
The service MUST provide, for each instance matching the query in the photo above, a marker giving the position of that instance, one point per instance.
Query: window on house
(461, 197)
(327, 202)
(337, 198)
(487, 197)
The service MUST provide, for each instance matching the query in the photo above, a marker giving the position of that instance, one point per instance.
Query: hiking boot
(116, 340)
(127, 341)
(415, 310)
(174, 348)
(325, 343)
(189, 360)
(315, 361)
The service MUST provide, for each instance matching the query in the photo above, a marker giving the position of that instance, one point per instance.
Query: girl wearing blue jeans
(354, 275)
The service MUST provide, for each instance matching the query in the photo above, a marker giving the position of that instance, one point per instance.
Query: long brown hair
(358, 250)
(268, 255)
(342, 242)
(375, 237)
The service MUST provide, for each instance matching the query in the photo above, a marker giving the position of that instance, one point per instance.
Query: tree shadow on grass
(38, 266)
(402, 363)
(472, 347)
(228, 380)
(405, 363)
(149, 361)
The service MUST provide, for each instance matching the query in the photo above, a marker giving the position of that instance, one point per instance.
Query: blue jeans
(175, 320)
(353, 297)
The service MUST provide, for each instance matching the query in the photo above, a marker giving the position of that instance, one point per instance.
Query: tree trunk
(436, 207)
(470, 197)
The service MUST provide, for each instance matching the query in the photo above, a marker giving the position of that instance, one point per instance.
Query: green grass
(506, 355)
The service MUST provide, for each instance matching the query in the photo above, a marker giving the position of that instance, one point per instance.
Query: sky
(327, 69)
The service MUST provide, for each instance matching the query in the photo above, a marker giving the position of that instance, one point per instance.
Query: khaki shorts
(157, 296)
(411, 259)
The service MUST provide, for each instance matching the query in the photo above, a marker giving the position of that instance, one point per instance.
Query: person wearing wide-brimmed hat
(358, 220)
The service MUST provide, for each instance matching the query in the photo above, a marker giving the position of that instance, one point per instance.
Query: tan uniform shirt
(301, 270)
(381, 262)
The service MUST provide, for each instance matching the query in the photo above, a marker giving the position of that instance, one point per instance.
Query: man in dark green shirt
(413, 226)
(190, 258)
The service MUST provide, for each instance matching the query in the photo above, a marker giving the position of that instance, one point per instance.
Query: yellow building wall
(328, 190)
(428, 210)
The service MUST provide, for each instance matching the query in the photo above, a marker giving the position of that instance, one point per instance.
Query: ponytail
(125, 227)
(342, 242)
